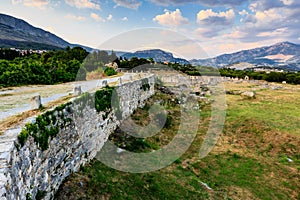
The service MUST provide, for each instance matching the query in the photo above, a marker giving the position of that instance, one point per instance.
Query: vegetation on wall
(48, 124)
(45, 126)
(106, 100)
(145, 84)
(103, 99)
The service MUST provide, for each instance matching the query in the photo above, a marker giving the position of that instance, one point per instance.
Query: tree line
(72, 64)
(50, 67)
(289, 77)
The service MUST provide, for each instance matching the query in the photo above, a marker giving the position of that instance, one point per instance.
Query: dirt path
(15, 100)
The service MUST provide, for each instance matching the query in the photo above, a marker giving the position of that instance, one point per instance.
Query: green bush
(43, 128)
(145, 84)
(22, 137)
(110, 71)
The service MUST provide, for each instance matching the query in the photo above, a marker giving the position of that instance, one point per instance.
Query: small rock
(248, 95)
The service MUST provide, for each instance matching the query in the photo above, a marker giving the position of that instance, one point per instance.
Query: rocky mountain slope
(282, 55)
(17, 33)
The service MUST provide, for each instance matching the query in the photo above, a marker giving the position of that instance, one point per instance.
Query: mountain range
(17, 33)
(157, 55)
(284, 55)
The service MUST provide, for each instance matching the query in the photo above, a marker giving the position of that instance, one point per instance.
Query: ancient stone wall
(76, 133)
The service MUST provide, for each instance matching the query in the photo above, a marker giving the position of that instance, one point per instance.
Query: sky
(189, 29)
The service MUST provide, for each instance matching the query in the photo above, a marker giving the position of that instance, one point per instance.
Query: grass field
(256, 157)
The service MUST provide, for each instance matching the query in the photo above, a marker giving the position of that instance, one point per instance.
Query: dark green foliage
(193, 70)
(187, 69)
(48, 68)
(40, 195)
(84, 100)
(168, 122)
(99, 59)
(133, 62)
(28, 196)
(22, 137)
(289, 77)
(103, 99)
(110, 71)
(145, 84)
(106, 100)
(8, 54)
(44, 128)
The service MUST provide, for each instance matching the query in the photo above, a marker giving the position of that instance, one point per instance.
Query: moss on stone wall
(48, 124)
(145, 84)
(45, 126)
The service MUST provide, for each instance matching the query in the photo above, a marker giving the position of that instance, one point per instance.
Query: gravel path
(16, 100)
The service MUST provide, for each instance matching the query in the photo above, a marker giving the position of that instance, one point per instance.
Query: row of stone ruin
(36, 101)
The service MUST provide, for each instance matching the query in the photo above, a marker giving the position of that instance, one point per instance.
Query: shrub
(110, 71)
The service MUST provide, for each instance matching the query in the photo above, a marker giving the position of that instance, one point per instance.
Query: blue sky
(217, 26)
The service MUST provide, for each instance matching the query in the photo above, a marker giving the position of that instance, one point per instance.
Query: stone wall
(27, 171)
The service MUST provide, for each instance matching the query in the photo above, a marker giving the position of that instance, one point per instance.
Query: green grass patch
(250, 161)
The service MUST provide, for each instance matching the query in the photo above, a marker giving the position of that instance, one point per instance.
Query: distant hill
(157, 55)
(284, 55)
(17, 33)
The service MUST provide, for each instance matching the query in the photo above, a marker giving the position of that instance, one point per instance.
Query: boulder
(248, 95)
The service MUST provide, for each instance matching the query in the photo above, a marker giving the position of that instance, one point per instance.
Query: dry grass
(94, 75)
(16, 120)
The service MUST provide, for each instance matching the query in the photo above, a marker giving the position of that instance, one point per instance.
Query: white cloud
(109, 17)
(236, 34)
(270, 21)
(243, 12)
(277, 32)
(41, 4)
(212, 23)
(172, 19)
(131, 4)
(83, 4)
(74, 17)
(209, 17)
(124, 19)
(97, 17)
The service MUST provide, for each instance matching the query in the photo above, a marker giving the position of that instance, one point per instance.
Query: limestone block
(35, 102)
